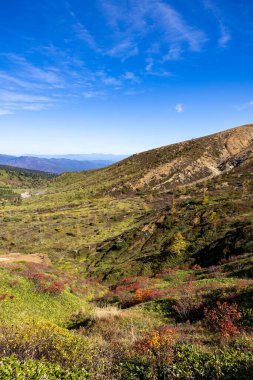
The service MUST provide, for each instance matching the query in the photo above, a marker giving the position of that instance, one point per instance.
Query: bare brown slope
(173, 165)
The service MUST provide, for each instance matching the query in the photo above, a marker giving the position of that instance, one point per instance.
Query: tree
(205, 198)
(178, 243)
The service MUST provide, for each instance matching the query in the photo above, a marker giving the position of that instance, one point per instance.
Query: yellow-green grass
(23, 302)
(58, 225)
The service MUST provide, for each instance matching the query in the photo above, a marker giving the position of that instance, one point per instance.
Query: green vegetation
(142, 270)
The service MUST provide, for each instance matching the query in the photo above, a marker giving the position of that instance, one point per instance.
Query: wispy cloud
(5, 112)
(152, 69)
(39, 91)
(93, 94)
(11, 101)
(176, 30)
(225, 35)
(107, 79)
(82, 32)
(124, 49)
(245, 105)
(138, 20)
(129, 76)
(179, 108)
(49, 76)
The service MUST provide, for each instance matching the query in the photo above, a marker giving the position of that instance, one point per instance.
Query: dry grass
(108, 313)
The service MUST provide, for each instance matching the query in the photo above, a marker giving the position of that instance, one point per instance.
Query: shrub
(13, 369)
(223, 319)
(191, 363)
(189, 305)
(37, 340)
(228, 364)
(156, 347)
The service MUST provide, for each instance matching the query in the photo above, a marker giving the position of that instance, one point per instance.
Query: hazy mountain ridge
(85, 157)
(52, 165)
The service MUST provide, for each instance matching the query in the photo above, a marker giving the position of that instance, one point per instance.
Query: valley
(144, 268)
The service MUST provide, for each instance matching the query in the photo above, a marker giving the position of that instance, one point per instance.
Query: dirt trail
(30, 258)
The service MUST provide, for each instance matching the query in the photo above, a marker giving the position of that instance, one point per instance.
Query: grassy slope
(23, 302)
(22, 178)
(214, 218)
(80, 211)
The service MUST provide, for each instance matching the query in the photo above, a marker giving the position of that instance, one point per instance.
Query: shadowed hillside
(202, 224)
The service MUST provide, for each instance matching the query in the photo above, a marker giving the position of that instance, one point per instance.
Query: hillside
(201, 224)
(168, 167)
(19, 177)
(142, 270)
(97, 222)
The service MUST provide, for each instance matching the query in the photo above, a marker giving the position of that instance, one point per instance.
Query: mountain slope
(170, 166)
(123, 219)
(205, 224)
(23, 178)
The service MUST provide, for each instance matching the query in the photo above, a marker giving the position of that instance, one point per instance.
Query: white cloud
(151, 69)
(245, 105)
(150, 64)
(81, 31)
(131, 77)
(93, 94)
(48, 76)
(225, 35)
(83, 34)
(12, 102)
(176, 29)
(179, 108)
(124, 49)
(107, 79)
(174, 54)
(5, 112)
(131, 22)
(10, 97)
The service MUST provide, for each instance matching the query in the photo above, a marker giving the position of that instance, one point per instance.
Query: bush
(223, 319)
(229, 364)
(156, 349)
(37, 341)
(190, 363)
(13, 369)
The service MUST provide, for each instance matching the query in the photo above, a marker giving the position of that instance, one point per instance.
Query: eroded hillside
(170, 166)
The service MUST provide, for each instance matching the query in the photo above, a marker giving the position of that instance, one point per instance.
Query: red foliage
(2, 297)
(55, 287)
(132, 291)
(223, 318)
(144, 295)
(5, 295)
(157, 344)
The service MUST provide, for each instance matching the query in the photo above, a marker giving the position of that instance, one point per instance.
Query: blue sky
(121, 76)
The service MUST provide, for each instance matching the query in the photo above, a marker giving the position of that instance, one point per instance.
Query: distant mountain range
(84, 157)
(60, 164)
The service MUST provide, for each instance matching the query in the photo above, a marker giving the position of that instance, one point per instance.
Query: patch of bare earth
(29, 258)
